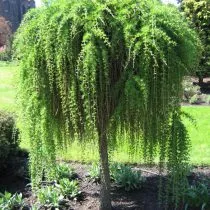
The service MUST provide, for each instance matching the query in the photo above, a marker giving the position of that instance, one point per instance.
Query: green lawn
(7, 86)
(200, 135)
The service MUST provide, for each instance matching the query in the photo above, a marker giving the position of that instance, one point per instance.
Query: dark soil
(143, 199)
(205, 86)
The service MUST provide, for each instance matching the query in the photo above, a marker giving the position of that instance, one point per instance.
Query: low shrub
(69, 188)
(190, 90)
(196, 99)
(207, 100)
(125, 177)
(8, 137)
(64, 171)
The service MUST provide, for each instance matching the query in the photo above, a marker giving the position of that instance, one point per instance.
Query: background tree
(198, 12)
(97, 70)
(5, 32)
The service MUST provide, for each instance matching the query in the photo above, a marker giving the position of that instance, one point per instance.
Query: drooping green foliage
(198, 12)
(98, 65)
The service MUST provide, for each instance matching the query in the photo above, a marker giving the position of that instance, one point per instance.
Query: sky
(170, 1)
(38, 2)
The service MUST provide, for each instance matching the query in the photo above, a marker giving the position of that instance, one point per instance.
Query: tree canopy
(100, 69)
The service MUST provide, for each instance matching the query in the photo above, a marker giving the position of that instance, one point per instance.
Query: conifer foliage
(99, 69)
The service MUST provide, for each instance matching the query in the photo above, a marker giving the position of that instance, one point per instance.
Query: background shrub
(6, 56)
(8, 137)
(190, 90)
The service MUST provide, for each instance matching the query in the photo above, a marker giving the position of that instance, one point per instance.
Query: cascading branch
(100, 69)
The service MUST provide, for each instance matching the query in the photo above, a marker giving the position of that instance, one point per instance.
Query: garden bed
(146, 198)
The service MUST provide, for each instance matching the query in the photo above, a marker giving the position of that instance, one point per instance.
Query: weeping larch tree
(100, 69)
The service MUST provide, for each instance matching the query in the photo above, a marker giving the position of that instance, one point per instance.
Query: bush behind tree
(8, 137)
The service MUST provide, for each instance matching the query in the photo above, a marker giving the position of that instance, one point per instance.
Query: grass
(199, 134)
(7, 86)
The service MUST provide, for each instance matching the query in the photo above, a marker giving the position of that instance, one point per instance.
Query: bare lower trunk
(105, 197)
(200, 80)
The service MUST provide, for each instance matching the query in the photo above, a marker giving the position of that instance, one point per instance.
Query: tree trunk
(200, 80)
(105, 197)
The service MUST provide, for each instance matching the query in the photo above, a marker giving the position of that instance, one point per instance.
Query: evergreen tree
(198, 12)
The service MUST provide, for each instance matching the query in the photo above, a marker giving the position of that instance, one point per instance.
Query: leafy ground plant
(69, 188)
(9, 201)
(125, 177)
(197, 196)
(49, 196)
(94, 172)
(64, 171)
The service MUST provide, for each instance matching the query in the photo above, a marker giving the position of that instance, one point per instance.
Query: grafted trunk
(105, 197)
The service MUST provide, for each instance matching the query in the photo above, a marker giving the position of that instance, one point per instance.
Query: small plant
(114, 169)
(9, 201)
(94, 172)
(34, 207)
(69, 188)
(189, 90)
(49, 196)
(121, 174)
(197, 196)
(64, 171)
(126, 178)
